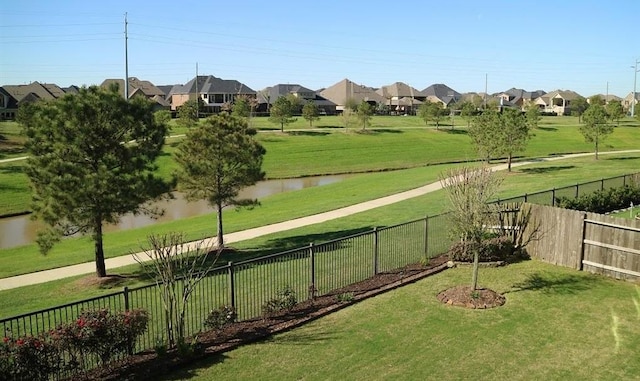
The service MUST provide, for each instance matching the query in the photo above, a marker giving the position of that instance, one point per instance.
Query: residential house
(340, 92)
(628, 100)
(8, 105)
(401, 98)
(140, 88)
(606, 98)
(213, 91)
(557, 101)
(267, 96)
(14, 95)
(439, 92)
(518, 98)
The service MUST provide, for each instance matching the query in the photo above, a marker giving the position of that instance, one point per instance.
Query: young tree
(351, 104)
(615, 110)
(467, 111)
(578, 106)
(310, 112)
(483, 131)
(364, 112)
(217, 160)
(596, 100)
(348, 118)
(189, 113)
(241, 106)
(281, 112)
(513, 133)
(162, 117)
(469, 191)
(91, 161)
(432, 111)
(532, 115)
(595, 128)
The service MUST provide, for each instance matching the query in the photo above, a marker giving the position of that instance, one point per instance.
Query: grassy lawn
(281, 207)
(392, 143)
(557, 324)
(629, 213)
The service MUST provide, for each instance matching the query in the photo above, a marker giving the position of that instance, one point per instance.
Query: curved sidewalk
(111, 263)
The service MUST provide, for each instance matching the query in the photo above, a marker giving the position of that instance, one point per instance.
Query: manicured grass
(282, 207)
(11, 140)
(393, 143)
(557, 324)
(630, 213)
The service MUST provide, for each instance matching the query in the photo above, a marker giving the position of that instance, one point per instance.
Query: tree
(469, 191)
(189, 112)
(467, 111)
(310, 112)
(91, 161)
(615, 110)
(162, 117)
(483, 131)
(348, 118)
(596, 100)
(578, 106)
(364, 112)
(595, 128)
(351, 104)
(217, 160)
(241, 107)
(431, 111)
(513, 133)
(532, 115)
(281, 112)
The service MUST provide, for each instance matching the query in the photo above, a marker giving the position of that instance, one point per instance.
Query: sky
(581, 45)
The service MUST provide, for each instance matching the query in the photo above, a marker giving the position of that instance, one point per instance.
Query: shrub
(499, 248)
(346, 297)
(220, 317)
(29, 358)
(101, 333)
(602, 201)
(285, 300)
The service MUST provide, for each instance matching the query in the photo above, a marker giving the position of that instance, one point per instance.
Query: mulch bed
(464, 296)
(147, 365)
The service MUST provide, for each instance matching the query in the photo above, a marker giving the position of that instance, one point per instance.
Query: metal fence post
(553, 197)
(426, 236)
(232, 285)
(312, 258)
(125, 293)
(601, 184)
(577, 190)
(525, 197)
(375, 251)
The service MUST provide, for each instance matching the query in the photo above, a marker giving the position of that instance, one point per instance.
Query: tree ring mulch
(464, 296)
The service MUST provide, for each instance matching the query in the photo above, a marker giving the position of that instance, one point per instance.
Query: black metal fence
(549, 197)
(249, 284)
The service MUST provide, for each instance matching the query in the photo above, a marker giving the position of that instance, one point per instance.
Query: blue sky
(574, 44)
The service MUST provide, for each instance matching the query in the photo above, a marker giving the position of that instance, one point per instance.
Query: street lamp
(633, 99)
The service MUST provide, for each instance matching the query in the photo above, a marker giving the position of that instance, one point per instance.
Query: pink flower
(6, 340)
(19, 342)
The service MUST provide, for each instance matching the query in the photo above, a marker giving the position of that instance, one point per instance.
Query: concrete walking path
(111, 263)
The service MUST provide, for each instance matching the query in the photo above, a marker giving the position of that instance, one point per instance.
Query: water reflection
(21, 230)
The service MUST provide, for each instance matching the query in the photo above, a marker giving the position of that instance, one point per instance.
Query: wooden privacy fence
(585, 241)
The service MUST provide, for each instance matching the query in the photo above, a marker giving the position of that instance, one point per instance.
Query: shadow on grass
(190, 370)
(621, 158)
(455, 132)
(541, 170)
(11, 169)
(307, 133)
(329, 126)
(288, 243)
(547, 128)
(302, 338)
(554, 284)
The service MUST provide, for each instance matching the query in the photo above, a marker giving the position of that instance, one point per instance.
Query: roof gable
(346, 89)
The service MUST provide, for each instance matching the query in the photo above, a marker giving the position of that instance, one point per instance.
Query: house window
(218, 98)
(205, 96)
(2, 105)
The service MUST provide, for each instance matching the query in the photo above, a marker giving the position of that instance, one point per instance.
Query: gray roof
(442, 92)
(208, 84)
(400, 90)
(272, 93)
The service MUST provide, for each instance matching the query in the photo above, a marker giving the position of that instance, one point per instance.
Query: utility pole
(126, 60)
(635, 77)
(197, 100)
(484, 98)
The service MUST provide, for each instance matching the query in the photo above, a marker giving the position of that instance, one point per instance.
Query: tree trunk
(101, 269)
(474, 277)
(596, 148)
(219, 237)
(509, 159)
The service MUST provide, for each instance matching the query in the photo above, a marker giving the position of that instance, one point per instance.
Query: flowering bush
(29, 358)
(102, 333)
(220, 317)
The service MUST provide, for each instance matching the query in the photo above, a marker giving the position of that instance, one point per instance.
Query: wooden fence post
(582, 237)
